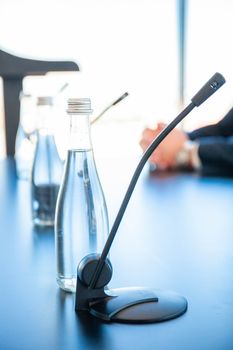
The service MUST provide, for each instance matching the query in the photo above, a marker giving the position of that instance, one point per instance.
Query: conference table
(176, 235)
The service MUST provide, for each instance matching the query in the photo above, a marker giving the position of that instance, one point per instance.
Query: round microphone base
(139, 305)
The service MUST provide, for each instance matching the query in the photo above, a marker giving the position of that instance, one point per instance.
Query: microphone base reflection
(138, 305)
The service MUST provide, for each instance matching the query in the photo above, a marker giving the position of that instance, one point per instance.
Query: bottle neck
(80, 136)
(45, 120)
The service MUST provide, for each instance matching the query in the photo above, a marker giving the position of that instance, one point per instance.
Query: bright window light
(125, 45)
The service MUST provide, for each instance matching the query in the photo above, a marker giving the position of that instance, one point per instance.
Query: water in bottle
(81, 225)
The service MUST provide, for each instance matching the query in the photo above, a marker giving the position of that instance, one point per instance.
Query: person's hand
(170, 147)
(165, 154)
(147, 137)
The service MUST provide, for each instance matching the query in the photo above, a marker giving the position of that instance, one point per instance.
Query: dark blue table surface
(177, 235)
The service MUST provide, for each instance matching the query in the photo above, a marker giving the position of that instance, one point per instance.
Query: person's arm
(210, 155)
(223, 128)
(216, 156)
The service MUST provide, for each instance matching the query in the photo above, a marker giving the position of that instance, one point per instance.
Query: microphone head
(120, 98)
(208, 89)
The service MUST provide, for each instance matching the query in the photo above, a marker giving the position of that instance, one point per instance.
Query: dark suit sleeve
(216, 155)
(216, 146)
(223, 128)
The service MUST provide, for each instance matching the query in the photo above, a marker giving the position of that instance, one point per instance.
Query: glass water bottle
(47, 166)
(81, 225)
(25, 137)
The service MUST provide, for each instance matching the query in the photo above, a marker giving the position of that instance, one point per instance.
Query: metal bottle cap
(44, 101)
(79, 106)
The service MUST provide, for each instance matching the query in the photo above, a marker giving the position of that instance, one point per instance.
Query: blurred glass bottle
(81, 224)
(47, 166)
(25, 137)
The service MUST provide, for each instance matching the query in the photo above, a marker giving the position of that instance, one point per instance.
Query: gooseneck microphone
(95, 271)
(122, 97)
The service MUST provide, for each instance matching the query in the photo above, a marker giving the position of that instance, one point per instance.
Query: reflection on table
(177, 234)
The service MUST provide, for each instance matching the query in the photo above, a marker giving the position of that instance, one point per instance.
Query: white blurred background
(123, 45)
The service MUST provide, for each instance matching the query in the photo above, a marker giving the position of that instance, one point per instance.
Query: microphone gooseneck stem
(100, 115)
(122, 97)
(131, 187)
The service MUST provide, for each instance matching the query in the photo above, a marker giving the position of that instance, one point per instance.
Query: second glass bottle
(81, 222)
(47, 166)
